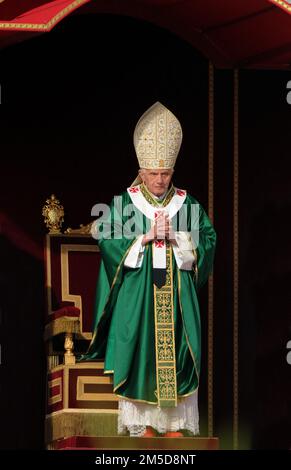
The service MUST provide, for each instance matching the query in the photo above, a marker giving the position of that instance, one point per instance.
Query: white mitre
(157, 139)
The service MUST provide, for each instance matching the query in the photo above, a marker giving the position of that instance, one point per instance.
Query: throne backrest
(72, 266)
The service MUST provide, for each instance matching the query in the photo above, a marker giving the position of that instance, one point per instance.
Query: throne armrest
(64, 320)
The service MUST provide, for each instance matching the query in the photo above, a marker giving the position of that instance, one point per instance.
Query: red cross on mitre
(134, 189)
(159, 243)
(180, 192)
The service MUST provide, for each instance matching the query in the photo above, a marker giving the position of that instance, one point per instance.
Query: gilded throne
(80, 400)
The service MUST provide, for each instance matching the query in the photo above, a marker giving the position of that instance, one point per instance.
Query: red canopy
(21, 20)
(35, 15)
(232, 33)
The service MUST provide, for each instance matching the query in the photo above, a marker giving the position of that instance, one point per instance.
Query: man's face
(157, 181)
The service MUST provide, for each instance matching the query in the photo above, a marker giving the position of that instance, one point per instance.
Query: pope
(147, 320)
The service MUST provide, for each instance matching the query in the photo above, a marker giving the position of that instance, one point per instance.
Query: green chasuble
(149, 337)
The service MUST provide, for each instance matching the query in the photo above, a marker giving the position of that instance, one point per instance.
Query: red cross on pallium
(134, 190)
(157, 213)
(180, 192)
(159, 243)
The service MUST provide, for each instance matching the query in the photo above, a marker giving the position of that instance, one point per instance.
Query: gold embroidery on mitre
(157, 138)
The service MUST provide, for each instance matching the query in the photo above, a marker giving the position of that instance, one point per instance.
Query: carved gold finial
(53, 213)
(82, 230)
(69, 346)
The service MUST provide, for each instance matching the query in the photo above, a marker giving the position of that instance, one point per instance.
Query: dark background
(70, 102)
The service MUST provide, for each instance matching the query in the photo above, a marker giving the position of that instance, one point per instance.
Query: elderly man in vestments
(147, 323)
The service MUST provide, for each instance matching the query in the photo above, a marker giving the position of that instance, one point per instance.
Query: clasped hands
(162, 229)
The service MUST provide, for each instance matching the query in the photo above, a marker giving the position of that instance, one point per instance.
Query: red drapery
(35, 15)
(231, 33)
